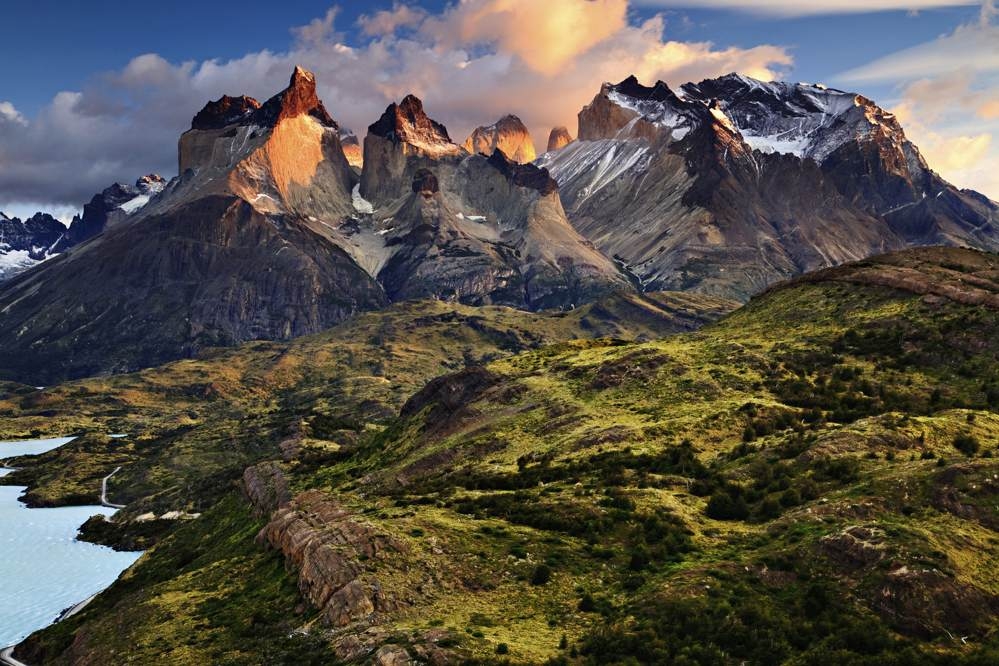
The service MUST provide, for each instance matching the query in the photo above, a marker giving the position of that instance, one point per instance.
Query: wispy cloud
(949, 99)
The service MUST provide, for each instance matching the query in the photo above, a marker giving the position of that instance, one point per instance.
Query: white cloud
(810, 7)
(387, 22)
(949, 89)
(470, 63)
(973, 47)
(10, 114)
(318, 29)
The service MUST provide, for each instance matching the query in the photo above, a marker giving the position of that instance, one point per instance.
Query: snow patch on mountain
(596, 164)
(802, 119)
(361, 205)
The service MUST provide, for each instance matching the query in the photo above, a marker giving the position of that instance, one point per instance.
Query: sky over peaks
(88, 110)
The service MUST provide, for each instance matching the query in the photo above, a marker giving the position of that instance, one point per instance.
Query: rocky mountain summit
(40, 237)
(731, 184)
(269, 232)
(478, 229)
(281, 224)
(508, 134)
(558, 138)
(234, 249)
(24, 243)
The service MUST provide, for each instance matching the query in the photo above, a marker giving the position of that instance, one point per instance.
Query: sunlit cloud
(949, 99)
(471, 63)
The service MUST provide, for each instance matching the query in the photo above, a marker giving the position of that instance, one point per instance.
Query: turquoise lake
(43, 568)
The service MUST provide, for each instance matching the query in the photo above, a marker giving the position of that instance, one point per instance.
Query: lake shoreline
(54, 574)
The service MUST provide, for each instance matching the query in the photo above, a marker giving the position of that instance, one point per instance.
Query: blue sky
(51, 45)
(110, 84)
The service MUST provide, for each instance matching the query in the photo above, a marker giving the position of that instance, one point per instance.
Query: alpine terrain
(712, 380)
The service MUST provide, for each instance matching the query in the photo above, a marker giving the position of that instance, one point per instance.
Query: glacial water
(43, 568)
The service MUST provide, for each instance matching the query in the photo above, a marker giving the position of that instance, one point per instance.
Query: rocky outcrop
(400, 143)
(507, 134)
(338, 557)
(523, 175)
(558, 138)
(266, 487)
(448, 394)
(955, 274)
(351, 148)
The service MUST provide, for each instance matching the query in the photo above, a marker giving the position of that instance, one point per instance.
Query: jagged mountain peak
(558, 138)
(407, 122)
(508, 134)
(299, 98)
(631, 87)
(802, 119)
(631, 110)
(225, 111)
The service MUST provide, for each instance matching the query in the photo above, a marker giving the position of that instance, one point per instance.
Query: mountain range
(646, 398)
(281, 223)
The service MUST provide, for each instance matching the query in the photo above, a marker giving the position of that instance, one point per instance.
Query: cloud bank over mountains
(471, 63)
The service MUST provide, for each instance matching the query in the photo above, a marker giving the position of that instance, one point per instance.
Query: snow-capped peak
(802, 119)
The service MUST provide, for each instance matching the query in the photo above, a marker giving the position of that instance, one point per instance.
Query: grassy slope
(796, 484)
(194, 425)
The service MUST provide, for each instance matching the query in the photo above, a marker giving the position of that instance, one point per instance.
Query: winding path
(104, 491)
(7, 657)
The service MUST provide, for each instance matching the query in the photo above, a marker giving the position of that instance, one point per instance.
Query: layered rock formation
(732, 184)
(338, 558)
(471, 228)
(507, 134)
(235, 249)
(558, 138)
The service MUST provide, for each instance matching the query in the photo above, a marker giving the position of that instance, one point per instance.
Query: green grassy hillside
(814, 479)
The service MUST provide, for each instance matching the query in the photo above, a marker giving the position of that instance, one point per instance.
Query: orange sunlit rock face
(508, 134)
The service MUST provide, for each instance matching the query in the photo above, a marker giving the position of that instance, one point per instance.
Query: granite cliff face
(507, 134)
(733, 184)
(283, 156)
(558, 138)
(235, 249)
(352, 149)
(404, 140)
(471, 228)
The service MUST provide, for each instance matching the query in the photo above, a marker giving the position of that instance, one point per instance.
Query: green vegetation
(811, 480)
